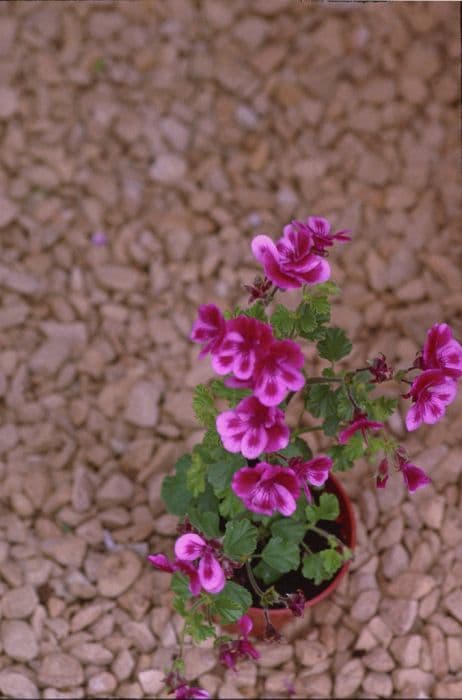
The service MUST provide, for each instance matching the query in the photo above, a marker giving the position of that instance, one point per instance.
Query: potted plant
(266, 529)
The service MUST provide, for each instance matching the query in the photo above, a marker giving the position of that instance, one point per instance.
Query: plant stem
(326, 535)
(253, 580)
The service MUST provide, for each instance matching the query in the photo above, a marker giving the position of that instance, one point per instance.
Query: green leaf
(195, 478)
(281, 555)
(313, 568)
(233, 396)
(381, 408)
(321, 400)
(283, 321)
(354, 448)
(197, 628)
(289, 530)
(231, 603)
(207, 501)
(180, 585)
(331, 560)
(175, 493)
(204, 406)
(240, 539)
(334, 345)
(342, 461)
(231, 505)
(328, 507)
(257, 311)
(211, 439)
(206, 522)
(266, 573)
(297, 448)
(221, 472)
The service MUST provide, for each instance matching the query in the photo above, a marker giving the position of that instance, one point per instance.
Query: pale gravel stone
(453, 603)
(409, 585)
(448, 690)
(348, 679)
(143, 404)
(309, 653)
(415, 677)
(454, 645)
(123, 665)
(379, 660)
(101, 684)
(198, 661)
(399, 615)
(395, 561)
(168, 169)
(117, 573)
(378, 684)
(8, 211)
(365, 606)
(120, 278)
(67, 550)
(19, 602)
(151, 681)
(90, 653)
(60, 671)
(17, 685)
(406, 650)
(117, 489)
(18, 640)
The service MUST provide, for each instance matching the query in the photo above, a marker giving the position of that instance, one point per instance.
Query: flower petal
(414, 477)
(253, 442)
(211, 575)
(189, 546)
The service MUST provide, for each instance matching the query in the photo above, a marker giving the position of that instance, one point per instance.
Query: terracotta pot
(346, 519)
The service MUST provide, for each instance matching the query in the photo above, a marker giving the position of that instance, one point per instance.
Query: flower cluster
(252, 495)
(436, 386)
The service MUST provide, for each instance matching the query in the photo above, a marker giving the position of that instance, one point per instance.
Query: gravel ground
(143, 145)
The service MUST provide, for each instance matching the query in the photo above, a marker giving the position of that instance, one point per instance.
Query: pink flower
(414, 477)
(361, 423)
(382, 475)
(191, 692)
(190, 547)
(267, 488)
(231, 652)
(380, 369)
(161, 562)
(246, 340)
(431, 392)
(442, 351)
(209, 329)
(320, 230)
(278, 371)
(252, 428)
(296, 603)
(315, 471)
(291, 262)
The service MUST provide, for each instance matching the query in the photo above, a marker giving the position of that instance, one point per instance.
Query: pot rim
(347, 507)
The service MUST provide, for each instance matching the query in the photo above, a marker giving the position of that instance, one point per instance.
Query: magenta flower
(190, 547)
(231, 652)
(322, 237)
(442, 351)
(246, 340)
(267, 488)
(291, 262)
(315, 471)
(380, 369)
(252, 428)
(175, 683)
(296, 603)
(278, 371)
(431, 392)
(209, 329)
(161, 562)
(382, 475)
(414, 477)
(359, 423)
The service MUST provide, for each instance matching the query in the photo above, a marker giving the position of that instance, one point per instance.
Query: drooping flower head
(191, 547)
(320, 231)
(290, 262)
(314, 471)
(442, 351)
(380, 369)
(414, 477)
(175, 683)
(278, 372)
(382, 474)
(431, 392)
(252, 428)
(245, 341)
(296, 602)
(209, 329)
(360, 423)
(160, 561)
(231, 652)
(267, 488)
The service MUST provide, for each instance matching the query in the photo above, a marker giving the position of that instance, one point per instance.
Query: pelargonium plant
(251, 491)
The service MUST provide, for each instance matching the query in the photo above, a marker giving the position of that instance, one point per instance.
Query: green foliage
(231, 505)
(240, 539)
(211, 439)
(312, 314)
(180, 585)
(334, 345)
(296, 448)
(197, 628)
(195, 478)
(288, 530)
(175, 492)
(206, 522)
(326, 509)
(313, 568)
(233, 396)
(220, 471)
(283, 321)
(257, 311)
(331, 560)
(266, 573)
(281, 555)
(321, 400)
(381, 408)
(204, 406)
(231, 603)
